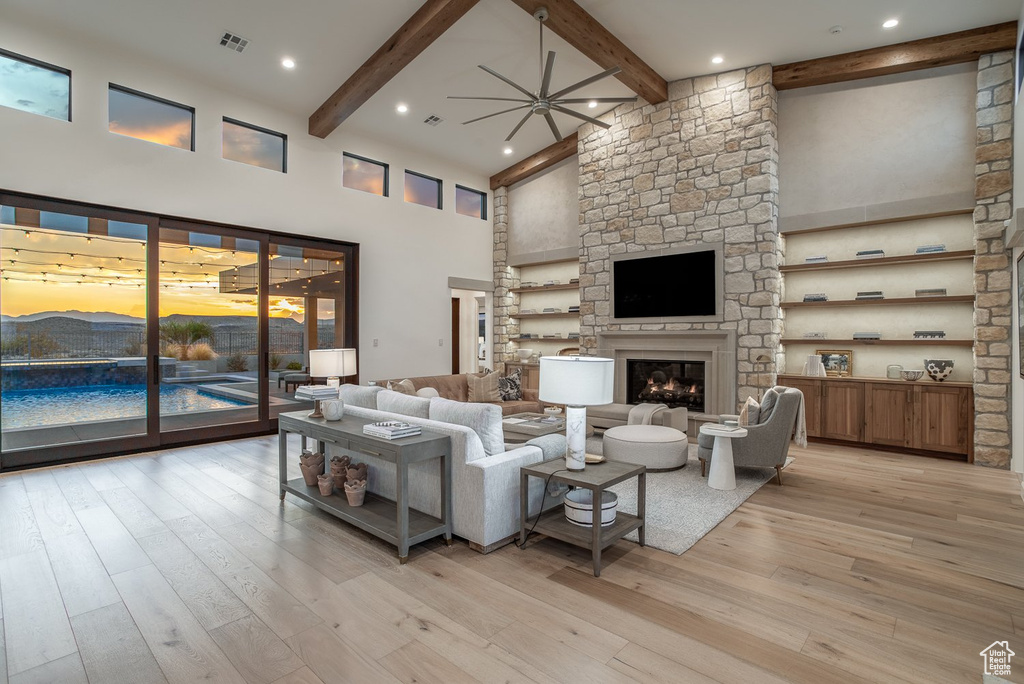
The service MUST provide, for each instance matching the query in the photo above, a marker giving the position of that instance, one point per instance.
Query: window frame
(483, 202)
(258, 129)
(385, 165)
(17, 56)
(440, 189)
(155, 98)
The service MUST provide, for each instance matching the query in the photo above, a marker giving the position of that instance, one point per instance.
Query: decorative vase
(333, 409)
(814, 367)
(326, 484)
(311, 466)
(894, 371)
(938, 369)
(355, 492)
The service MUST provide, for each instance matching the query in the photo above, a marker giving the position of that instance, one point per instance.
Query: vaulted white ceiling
(330, 39)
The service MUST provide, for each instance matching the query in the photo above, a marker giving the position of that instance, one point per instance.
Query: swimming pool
(62, 405)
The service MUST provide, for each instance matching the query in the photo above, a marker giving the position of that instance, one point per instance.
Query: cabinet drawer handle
(326, 439)
(369, 452)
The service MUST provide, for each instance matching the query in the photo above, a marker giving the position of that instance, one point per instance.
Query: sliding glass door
(122, 331)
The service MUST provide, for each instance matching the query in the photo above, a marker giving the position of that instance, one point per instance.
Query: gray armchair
(767, 443)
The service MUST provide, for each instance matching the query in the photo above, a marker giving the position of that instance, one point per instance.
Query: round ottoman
(658, 447)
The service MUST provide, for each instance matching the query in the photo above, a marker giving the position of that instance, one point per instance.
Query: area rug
(681, 507)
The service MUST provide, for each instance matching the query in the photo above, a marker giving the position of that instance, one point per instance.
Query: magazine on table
(392, 429)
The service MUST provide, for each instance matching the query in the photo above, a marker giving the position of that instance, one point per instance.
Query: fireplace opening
(673, 383)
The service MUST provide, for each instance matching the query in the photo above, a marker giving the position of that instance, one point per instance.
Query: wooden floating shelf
(883, 261)
(556, 314)
(899, 343)
(551, 288)
(545, 339)
(951, 299)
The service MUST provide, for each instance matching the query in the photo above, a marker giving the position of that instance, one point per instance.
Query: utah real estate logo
(997, 658)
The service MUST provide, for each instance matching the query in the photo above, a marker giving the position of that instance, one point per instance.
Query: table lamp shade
(332, 363)
(577, 380)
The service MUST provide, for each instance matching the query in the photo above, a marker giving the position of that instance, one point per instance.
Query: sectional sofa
(456, 388)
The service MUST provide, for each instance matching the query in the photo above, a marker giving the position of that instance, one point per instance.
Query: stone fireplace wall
(700, 168)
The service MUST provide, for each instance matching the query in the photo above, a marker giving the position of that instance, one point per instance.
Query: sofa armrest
(497, 491)
(677, 418)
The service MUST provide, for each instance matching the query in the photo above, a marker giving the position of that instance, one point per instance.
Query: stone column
(992, 262)
(505, 278)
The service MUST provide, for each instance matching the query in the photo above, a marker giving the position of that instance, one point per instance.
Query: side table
(597, 478)
(723, 472)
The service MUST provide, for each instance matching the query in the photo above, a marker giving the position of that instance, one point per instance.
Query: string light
(28, 233)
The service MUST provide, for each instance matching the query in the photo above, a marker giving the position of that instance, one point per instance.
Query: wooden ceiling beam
(951, 48)
(549, 156)
(423, 28)
(586, 34)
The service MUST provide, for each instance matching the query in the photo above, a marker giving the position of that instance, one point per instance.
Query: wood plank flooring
(182, 565)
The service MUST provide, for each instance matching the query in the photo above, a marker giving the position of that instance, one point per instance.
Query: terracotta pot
(311, 465)
(356, 471)
(326, 485)
(355, 496)
(339, 481)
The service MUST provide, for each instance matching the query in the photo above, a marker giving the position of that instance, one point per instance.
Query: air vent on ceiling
(433, 120)
(233, 42)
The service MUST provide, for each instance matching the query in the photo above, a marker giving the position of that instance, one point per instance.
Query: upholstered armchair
(767, 443)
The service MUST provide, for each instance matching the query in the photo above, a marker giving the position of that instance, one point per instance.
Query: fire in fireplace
(673, 383)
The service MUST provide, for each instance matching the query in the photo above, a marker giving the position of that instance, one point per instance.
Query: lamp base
(575, 437)
(316, 412)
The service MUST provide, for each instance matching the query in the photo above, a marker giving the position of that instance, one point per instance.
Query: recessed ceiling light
(717, 59)
(507, 150)
(402, 109)
(288, 63)
(890, 23)
(592, 104)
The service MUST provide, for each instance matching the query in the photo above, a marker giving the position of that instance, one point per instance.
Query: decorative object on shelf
(355, 492)
(938, 369)
(894, 371)
(326, 484)
(524, 354)
(552, 410)
(333, 409)
(549, 283)
(529, 283)
(574, 281)
(573, 336)
(871, 294)
(931, 249)
(552, 309)
(575, 308)
(391, 429)
(529, 336)
(867, 336)
(817, 259)
(816, 297)
(871, 254)
(316, 394)
(813, 367)
(579, 507)
(535, 357)
(576, 382)
(911, 375)
(339, 470)
(311, 466)
(929, 334)
(837, 362)
(527, 312)
(815, 335)
(931, 292)
(357, 472)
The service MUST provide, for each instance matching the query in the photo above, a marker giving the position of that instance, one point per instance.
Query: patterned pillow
(510, 387)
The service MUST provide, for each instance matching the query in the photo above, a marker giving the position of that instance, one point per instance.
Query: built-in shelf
(555, 314)
(899, 343)
(545, 339)
(882, 261)
(951, 299)
(875, 222)
(547, 288)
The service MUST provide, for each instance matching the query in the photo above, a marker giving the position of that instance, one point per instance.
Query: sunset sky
(140, 117)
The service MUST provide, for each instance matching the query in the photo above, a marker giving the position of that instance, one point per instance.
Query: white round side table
(723, 473)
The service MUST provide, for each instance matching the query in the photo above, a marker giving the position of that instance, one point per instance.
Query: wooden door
(842, 410)
(942, 418)
(811, 387)
(889, 414)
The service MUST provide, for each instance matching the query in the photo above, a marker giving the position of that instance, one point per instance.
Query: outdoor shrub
(275, 361)
(294, 365)
(237, 363)
(35, 346)
(201, 352)
(182, 335)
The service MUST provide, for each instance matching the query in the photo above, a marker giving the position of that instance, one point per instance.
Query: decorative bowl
(579, 507)
(525, 354)
(553, 410)
(911, 375)
(938, 369)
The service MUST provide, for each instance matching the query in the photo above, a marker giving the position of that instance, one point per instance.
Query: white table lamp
(577, 382)
(332, 364)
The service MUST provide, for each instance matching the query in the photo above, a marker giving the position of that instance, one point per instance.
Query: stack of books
(549, 283)
(871, 294)
(931, 249)
(871, 254)
(316, 392)
(552, 309)
(574, 281)
(817, 259)
(929, 334)
(528, 336)
(391, 429)
(527, 311)
(931, 292)
(575, 308)
(529, 283)
(816, 297)
(553, 336)
(573, 336)
(867, 336)
(815, 335)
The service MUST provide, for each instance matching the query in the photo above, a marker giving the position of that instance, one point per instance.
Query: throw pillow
(403, 387)
(750, 412)
(483, 389)
(510, 387)
(768, 403)
(427, 392)
(357, 395)
(396, 402)
(483, 419)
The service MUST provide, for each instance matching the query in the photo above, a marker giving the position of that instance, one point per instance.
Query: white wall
(544, 210)
(407, 252)
(1017, 384)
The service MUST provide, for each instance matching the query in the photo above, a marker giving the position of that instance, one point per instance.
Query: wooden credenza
(924, 416)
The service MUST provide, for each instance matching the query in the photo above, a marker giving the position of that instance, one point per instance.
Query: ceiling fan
(544, 102)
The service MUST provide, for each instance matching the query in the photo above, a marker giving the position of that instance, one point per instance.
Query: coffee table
(526, 426)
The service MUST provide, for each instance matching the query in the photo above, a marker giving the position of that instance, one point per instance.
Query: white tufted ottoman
(655, 446)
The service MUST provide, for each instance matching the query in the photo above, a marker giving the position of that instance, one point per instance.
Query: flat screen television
(669, 285)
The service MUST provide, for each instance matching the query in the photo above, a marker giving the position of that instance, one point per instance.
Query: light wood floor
(182, 565)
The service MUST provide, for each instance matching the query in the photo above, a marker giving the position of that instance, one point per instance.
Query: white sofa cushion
(357, 395)
(483, 419)
(407, 405)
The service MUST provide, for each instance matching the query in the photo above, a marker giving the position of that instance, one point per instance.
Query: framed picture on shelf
(838, 362)
(1020, 313)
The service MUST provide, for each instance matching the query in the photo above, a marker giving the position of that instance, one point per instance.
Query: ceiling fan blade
(548, 69)
(518, 87)
(586, 118)
(585, 82)
(519, 125)
(553, 127)
(587, 100)
(496, 99)
(488, 116)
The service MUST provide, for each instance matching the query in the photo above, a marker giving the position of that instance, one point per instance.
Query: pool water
(62, 405)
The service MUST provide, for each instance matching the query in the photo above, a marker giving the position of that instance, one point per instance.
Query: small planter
(355, 495)
(326, 483)
(356, 472)
(311, 466)
(579, 507)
